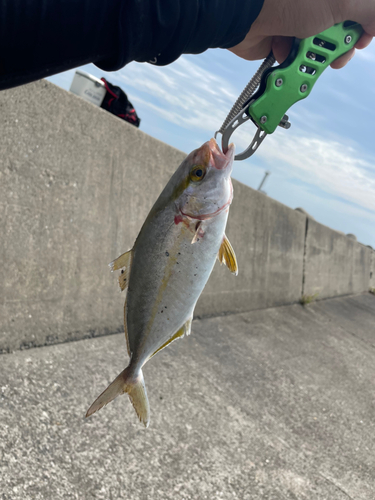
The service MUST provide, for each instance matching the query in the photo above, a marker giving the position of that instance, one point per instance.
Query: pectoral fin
(184, 330)
(227, 256)
(199, 232)
(124, 260)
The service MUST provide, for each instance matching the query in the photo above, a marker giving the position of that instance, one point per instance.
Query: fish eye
(197, 173)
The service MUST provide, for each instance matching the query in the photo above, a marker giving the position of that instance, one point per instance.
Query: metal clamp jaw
(238, 120)
(284, 85)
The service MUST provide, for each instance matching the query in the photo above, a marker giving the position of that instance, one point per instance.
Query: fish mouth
(212, 214)
(220, 160)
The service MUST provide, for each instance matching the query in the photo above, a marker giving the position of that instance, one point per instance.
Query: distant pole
(266, 174)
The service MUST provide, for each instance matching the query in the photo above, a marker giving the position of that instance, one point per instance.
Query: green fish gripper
(293, 80)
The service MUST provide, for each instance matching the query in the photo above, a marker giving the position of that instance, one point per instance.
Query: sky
(325, 163)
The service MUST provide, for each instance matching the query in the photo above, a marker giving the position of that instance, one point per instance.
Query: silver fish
(170, 263)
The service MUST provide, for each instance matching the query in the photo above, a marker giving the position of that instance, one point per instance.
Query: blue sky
(324, 163)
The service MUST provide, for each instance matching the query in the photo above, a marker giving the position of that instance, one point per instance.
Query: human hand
(281, 20)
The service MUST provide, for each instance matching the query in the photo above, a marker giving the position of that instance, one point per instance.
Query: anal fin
(227, 256)
(184, 330)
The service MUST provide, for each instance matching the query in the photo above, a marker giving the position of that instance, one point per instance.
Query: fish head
(206, 182)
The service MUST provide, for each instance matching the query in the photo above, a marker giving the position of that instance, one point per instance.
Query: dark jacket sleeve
(39, 38)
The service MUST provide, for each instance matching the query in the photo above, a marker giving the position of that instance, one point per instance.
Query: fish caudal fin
(139, 400)
(134, 387)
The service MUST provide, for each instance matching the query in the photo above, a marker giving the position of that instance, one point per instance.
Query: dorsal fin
(227, 256)
(124, 260)
(126, 329)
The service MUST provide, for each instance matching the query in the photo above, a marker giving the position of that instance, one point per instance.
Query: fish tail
(135, 388)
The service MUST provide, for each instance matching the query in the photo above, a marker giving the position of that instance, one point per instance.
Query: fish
(169, 265)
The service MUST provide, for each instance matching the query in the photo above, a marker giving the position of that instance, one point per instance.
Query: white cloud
(184, 93)
(332, 166)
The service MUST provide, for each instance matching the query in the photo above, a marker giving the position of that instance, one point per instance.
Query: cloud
(183, 93)
(332, 166)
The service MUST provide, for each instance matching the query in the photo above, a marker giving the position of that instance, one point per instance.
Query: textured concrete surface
(266, 405)
(372, 271)
(334, 264)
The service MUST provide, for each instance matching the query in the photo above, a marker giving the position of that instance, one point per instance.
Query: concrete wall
(76, 184)
(372, 270)
(334, 263)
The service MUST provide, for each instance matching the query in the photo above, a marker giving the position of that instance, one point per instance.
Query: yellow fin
(227, 256)
(187, 325)
(184, 330)
(124, 260)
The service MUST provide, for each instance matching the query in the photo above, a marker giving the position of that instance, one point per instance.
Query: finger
(253, 51)
(364, 41)
(343, 60)
(281, 46)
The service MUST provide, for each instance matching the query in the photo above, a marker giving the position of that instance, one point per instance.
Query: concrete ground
(272, 404)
